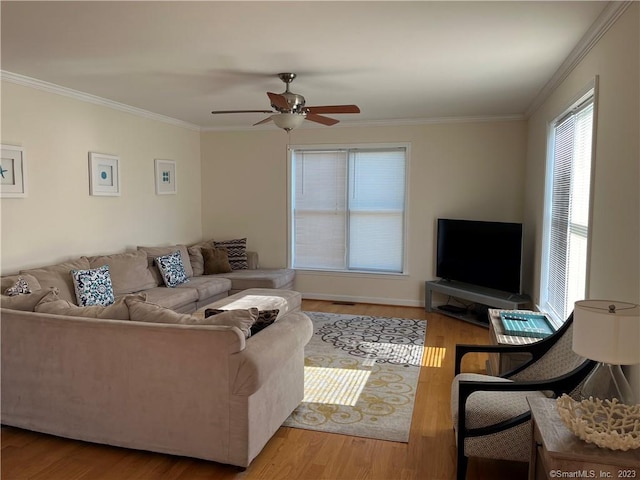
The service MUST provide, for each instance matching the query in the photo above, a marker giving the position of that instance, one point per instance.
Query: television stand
(484, 296)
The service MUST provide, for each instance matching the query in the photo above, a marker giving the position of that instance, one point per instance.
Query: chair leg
(461, 466)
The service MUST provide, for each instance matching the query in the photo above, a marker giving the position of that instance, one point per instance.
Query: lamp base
(607, 382)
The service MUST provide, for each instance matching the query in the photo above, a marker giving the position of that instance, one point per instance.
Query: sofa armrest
(252, 260)
(269, 348)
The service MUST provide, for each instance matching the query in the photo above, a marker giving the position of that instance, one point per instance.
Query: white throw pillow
(172, 269)
(93, 286)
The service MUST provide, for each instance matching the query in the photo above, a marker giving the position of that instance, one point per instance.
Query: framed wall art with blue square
(166, 177)
(104, 175)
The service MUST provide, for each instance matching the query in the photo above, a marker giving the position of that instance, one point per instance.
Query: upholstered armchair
(491, 416)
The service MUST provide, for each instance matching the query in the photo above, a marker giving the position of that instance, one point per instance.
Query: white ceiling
(396, 60)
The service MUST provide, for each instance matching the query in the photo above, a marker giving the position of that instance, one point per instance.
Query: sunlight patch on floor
(397, 353)
(433, 356)
(337, 386)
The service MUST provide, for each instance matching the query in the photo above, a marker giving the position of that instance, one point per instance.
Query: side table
(500, 363)
(557, 453)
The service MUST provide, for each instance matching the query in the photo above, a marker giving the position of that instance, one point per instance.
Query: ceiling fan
(289, 110)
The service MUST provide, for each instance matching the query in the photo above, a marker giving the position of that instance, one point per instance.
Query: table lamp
(609, 333)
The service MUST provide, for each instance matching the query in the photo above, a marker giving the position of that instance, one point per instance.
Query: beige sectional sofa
(194, 389)
(135, 272)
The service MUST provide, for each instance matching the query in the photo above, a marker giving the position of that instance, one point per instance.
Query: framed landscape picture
(104, 175)
(165, 177)
(12, 172)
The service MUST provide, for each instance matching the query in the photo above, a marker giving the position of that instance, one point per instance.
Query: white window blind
(565, 269)
(348, 209)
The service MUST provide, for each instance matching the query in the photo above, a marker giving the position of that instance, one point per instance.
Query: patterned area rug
(361, 375)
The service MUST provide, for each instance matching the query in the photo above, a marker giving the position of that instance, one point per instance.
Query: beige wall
(59, 219)
(460, 170)
(615, 238)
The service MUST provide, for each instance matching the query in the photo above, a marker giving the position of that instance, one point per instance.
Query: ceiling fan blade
(241, 111)
(334, 109)
(278, 100)
(314, 117)
(268, 119)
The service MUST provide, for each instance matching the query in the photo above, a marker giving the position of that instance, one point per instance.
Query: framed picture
(166, 177)
(12, 172)
(104, 176)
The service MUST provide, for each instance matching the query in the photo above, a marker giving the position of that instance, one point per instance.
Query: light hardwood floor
(292, 453)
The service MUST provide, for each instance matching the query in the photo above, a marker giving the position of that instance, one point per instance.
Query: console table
(472, 293)
(557, 453)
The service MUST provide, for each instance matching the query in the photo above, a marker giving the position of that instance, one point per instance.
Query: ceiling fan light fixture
(288, 121)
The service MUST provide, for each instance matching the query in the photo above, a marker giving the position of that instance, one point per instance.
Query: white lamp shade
(288, 121)
(604, 335)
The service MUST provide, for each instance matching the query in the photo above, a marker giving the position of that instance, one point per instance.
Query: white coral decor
(606, 423)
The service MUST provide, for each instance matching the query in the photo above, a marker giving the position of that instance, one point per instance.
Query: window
(348, 209)
(567, 210)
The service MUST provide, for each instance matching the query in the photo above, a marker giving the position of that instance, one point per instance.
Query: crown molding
(94, 99)
(434, 120)
(86, 97)
(605, 20)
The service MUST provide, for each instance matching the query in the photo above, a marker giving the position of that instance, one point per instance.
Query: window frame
(290, 202)
(589, 91)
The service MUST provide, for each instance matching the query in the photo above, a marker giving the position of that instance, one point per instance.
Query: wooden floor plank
(293, 454)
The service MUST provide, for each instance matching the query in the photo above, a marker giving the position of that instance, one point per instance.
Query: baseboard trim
(400, 302)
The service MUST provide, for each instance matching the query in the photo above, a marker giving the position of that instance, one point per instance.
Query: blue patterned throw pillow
(21, 287)
(172, 269)
(93, 287)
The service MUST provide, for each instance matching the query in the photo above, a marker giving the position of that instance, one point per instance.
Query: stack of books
(526, 324)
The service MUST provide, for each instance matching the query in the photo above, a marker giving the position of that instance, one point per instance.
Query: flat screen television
(487, 254)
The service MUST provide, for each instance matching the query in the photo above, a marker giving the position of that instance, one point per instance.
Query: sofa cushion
(116, 311)
(153, 252)
(207, 287)
(196, 260)
(173, 298)
(237, 251)
(172, 269)
(216, 260)
(93, 286)
(195, 256)
(143, 311)
(25, 302)
(59, 276)
(263, 278)
(129, 271)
